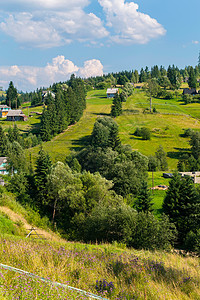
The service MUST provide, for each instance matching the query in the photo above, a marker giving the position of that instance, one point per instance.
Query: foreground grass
(131, 274)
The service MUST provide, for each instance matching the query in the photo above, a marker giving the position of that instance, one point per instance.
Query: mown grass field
(166, 126)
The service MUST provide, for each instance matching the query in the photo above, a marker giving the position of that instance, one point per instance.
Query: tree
(42, 170)
(145, 133)
(182, 205)
(164, 82)
(152, 89)
(161, 158)
(116, 108)
(3, 142)
(144, 200)
(195, 144)
(12, 96)
(174, 76)
(105, 133)
(192, 81)
(16, 158)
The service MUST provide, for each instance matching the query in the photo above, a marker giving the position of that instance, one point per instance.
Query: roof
(3, 160)
(14, 113)
(189, 91)
(112, 91)
(4, 106)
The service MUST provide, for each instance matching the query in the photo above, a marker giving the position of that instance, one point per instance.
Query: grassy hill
(167, 126)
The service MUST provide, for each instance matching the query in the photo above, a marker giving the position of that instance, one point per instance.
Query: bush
(187, 98)
(124, 224)
(144, 132)
(188, 132)
(192, 241)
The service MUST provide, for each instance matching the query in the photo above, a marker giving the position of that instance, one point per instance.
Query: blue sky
(44, 41)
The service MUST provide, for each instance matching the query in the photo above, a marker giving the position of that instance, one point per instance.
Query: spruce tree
(45, 130)
(116, 108)
(192, 81)
(144, 200)
(12, 96)
(42, 170)
(3, 143)
(182, 205)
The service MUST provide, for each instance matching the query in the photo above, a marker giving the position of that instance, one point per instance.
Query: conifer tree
(182, 205)
(45, 130)
(116, 108)
(12, 96)
(192, 81)
(42, 170)
(3, 142)
(144, 200)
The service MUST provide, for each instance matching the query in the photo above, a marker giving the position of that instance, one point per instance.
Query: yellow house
(4, 109)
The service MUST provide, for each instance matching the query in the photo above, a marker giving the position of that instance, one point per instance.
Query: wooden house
(16, 115)
(112, 92)
(188, 91)
(3, 165)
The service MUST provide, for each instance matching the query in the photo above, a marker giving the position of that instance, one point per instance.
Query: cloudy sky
(44, 41)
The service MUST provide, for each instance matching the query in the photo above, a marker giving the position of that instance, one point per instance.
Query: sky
(45, 41)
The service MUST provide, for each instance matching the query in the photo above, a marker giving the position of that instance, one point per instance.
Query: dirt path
(16, 218)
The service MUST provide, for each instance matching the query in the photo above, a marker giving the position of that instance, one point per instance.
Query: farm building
(16, 115)
(3, 164)
(112, 92)
(4, 109)
(46, 93)
(189, 91)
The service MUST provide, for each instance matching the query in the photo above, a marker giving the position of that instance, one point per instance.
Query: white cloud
(128, 25)
(195, 42)
(42, 4)
(28, 78)
(44, 29)
(91, 68)
(50, 23)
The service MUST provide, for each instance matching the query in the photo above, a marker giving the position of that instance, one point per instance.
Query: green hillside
(166, 126)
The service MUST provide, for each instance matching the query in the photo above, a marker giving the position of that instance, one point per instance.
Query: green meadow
(167, 126)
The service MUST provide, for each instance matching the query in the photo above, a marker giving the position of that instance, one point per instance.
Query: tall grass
(105, 270)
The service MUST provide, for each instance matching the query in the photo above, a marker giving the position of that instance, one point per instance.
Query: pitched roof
(112, 91)
(14, 113)
(4, 106)
(3, 160)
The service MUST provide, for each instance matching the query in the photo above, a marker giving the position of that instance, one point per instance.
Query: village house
(112, 92)
(16, 115)
(188, 91)
(46, 93)
(3, 164)
(4, 109)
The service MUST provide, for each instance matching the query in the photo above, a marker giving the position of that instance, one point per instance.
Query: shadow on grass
(81, 143)
(178, 154)
(102, 114)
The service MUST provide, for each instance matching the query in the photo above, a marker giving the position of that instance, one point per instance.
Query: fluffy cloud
(42, 4)
(28, 78)
(47, 30)
(50, 23)
(128, 25)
